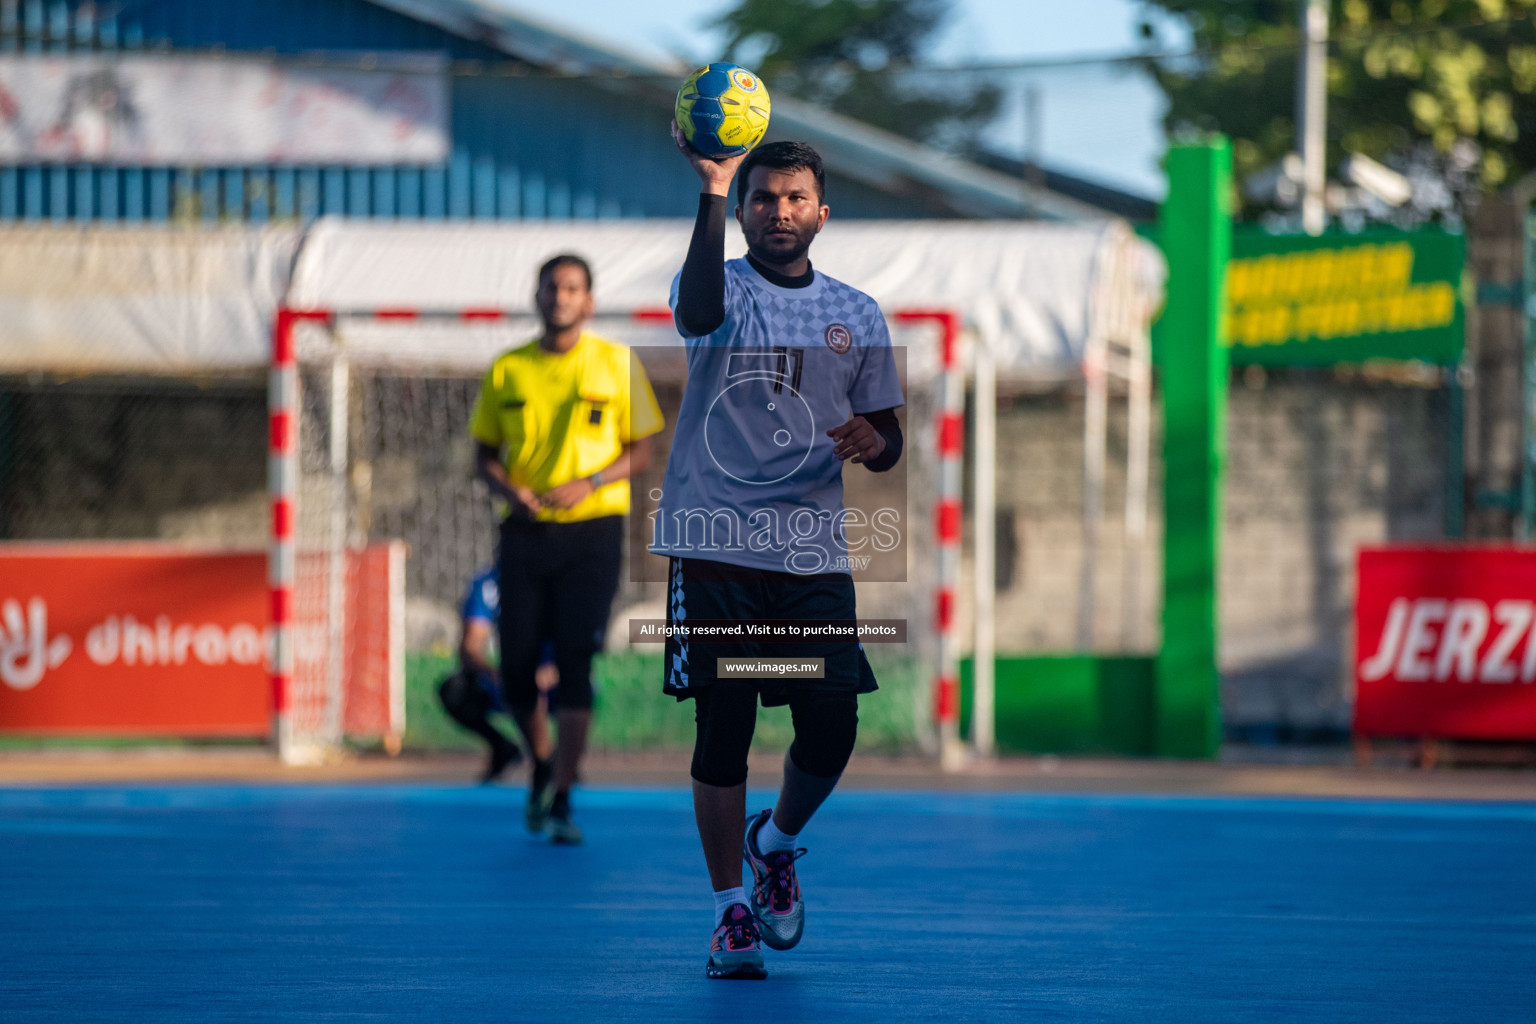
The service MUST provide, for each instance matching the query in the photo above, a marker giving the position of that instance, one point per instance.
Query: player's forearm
(701, 290)
(633, 459)
(475, 645)
(888, 427)
(489, 468)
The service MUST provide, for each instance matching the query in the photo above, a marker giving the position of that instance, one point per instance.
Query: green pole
(1196, 232)
(1455, 452)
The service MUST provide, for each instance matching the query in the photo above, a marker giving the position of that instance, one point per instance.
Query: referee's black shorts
(557, 582)
(702, 589)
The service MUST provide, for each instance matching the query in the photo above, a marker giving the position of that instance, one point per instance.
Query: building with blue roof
(541, 124)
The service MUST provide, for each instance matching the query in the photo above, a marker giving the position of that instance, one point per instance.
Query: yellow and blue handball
(723, 109)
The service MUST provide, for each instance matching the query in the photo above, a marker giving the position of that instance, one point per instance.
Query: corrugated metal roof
(860, 151)
(525, 36)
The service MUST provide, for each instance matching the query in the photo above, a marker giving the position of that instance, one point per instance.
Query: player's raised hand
(715, 174)
(857, 440)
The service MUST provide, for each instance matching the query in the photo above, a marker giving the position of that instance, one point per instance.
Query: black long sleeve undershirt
(701, 290)
(886, 425)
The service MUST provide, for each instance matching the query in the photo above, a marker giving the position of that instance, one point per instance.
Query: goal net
(370, 446)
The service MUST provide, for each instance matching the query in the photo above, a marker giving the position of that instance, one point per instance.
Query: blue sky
(1101, 122)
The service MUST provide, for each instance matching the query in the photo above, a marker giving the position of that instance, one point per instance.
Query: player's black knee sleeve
(519, 671)
(519, 694)
(826, 725)
(726, 715)
(574, 693)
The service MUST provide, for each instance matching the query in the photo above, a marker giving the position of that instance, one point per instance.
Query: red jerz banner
(1445, 643)
(133, 639)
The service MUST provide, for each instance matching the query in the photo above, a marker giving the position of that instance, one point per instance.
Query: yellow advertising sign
(1335, 299)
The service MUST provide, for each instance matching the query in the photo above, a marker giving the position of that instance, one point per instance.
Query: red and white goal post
(337, 608)
(317, 571)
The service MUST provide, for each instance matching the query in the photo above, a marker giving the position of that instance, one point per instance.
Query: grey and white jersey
(752, 479)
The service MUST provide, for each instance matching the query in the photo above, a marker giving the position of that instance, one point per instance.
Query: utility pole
(1312, 112)
(1034, 134)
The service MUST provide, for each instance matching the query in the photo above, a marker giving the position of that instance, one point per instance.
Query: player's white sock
(769, 838)
(725, 897)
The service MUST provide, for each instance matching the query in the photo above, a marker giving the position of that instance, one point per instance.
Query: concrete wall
(1318, 464)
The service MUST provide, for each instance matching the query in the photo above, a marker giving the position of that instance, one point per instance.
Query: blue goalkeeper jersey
(483, 598)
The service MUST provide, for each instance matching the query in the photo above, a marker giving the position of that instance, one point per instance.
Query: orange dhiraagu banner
(1446, 643)
(129, 639)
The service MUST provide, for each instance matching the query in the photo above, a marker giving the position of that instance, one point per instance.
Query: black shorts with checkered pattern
(703, 590)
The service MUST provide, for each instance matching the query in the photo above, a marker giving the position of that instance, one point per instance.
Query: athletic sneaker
(776, 901)
(561, 828)
(735, 950)
(541, 795)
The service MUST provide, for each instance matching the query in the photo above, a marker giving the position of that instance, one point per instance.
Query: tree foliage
(849, 56)
(1447, 84)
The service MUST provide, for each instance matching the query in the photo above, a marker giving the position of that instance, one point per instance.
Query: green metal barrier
(1070, 704)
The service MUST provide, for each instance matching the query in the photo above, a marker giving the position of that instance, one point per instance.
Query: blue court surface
(431, 904)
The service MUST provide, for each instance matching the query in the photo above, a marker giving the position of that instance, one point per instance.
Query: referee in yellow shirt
(561, 424)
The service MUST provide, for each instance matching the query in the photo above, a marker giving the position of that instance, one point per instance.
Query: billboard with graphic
(125, 639)
(220, 111)
(1445, 643)
(155, 639)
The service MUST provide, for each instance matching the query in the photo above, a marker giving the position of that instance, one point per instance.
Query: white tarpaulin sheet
(1028, 289)
(213, 111)
(140, 300)
(185, 300)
